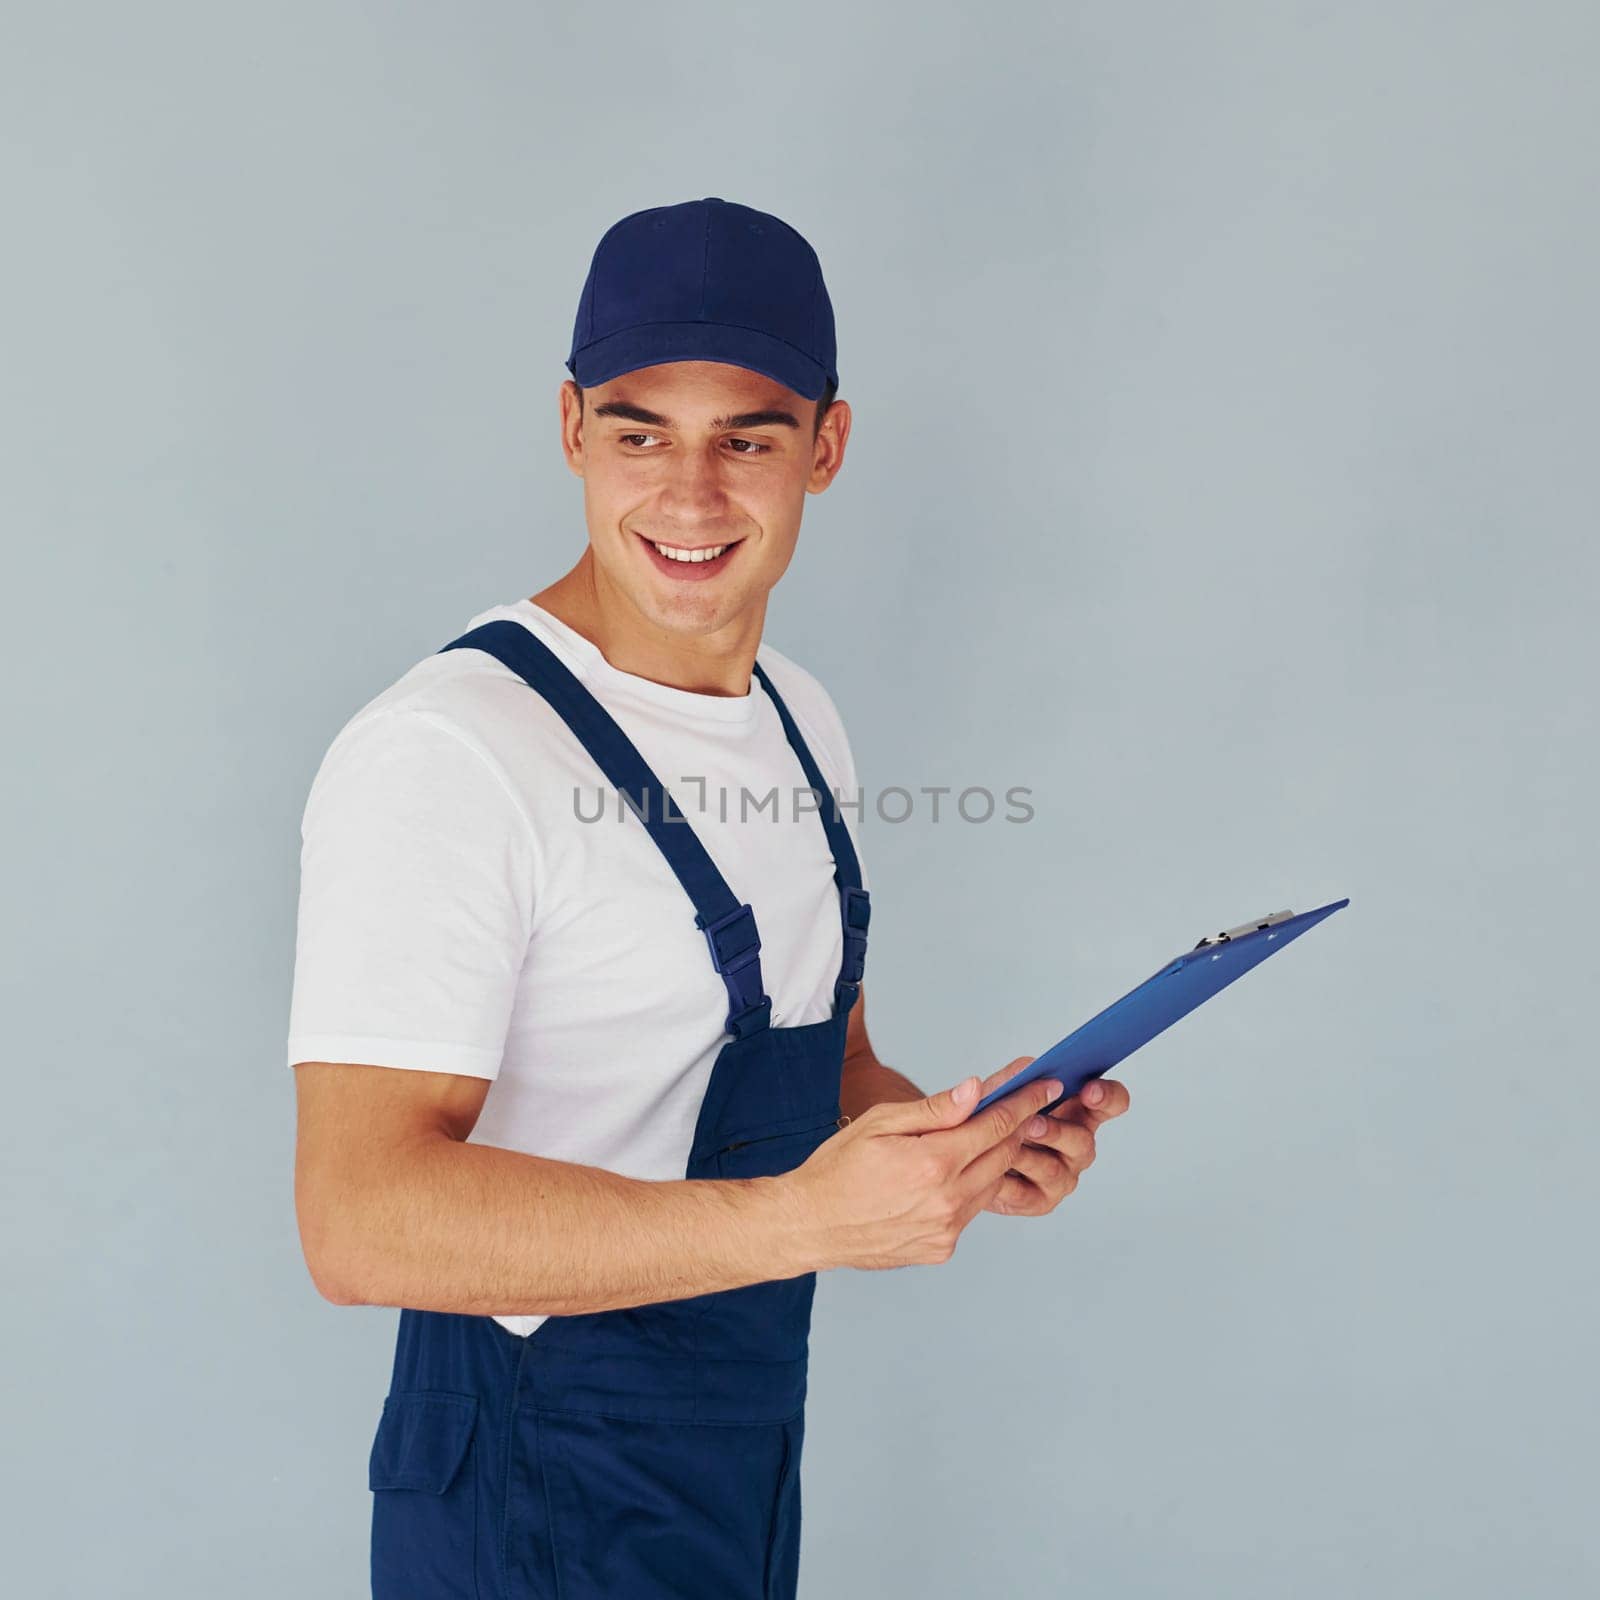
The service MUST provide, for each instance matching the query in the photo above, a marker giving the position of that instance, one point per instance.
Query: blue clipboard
(1184, 983)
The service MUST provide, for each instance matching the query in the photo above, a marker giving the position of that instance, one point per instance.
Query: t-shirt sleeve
(417, 868)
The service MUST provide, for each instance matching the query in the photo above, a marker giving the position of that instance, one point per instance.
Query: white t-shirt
(461, 910)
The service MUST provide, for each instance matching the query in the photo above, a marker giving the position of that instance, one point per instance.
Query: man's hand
(897, 1185)
(1058, 1145)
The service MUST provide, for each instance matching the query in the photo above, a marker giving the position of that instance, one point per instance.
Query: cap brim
(656, 342)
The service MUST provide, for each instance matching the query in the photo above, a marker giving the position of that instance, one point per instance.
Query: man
(559, 1098)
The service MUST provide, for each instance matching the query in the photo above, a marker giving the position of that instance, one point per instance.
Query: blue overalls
(653, 1451)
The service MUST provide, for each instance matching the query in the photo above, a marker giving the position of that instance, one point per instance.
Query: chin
(691, 614)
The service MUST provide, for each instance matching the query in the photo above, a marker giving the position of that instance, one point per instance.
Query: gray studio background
(1223, 469)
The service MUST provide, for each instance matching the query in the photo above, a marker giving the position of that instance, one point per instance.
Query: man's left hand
(1053, 1159)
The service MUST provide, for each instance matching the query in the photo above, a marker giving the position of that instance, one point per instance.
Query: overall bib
(653, 1451)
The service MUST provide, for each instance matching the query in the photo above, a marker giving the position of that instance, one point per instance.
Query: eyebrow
(654, 419)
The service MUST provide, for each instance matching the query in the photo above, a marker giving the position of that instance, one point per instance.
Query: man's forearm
(455, 1226)
(867, 1082)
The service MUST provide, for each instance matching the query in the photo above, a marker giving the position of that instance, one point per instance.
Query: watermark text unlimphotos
(895, 803)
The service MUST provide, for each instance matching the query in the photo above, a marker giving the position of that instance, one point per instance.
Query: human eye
(756, 448)
(628, 438)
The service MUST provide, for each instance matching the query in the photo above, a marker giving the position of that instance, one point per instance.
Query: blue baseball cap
(707, 280)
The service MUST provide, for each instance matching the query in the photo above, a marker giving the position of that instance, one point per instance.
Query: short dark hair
(824, 400)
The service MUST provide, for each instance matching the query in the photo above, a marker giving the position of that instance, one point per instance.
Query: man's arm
(867, 1081)
(396, 1209)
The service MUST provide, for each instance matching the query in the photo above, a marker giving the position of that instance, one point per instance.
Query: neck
(717, 662)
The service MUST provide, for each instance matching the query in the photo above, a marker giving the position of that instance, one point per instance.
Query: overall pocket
(424, 1500)
(767, 1154)
(670, 1509)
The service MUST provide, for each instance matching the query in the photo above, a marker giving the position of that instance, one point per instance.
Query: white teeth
(673, 553)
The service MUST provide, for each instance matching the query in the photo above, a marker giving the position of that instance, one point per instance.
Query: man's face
(695, 475)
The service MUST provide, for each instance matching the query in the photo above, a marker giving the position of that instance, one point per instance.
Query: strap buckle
(857, 912)
(735, 945)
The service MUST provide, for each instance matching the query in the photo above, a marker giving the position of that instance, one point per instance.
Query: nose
(692, 486)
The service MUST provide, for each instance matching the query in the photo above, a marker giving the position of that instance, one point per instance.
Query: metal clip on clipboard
(1272, 919)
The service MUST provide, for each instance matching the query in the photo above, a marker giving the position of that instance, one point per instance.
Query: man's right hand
(896, 1187)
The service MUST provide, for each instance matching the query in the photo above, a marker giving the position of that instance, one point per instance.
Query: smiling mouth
(689, 561)
(697, 552)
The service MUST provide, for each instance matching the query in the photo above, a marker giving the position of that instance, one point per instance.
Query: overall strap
(855, 907)
(729, 926)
